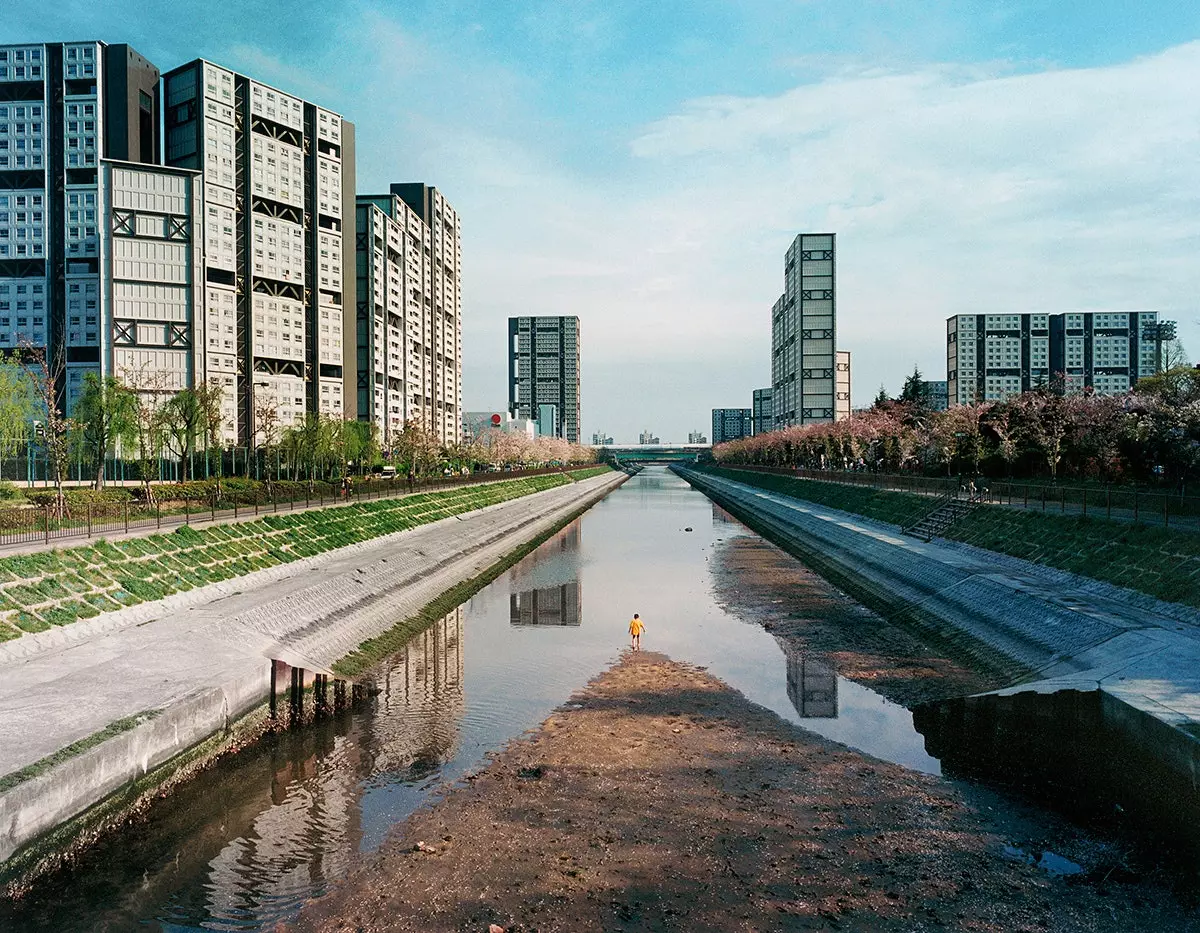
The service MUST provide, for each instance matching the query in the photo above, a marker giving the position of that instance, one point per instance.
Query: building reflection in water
(811, 684)
(548, 591)
(312, 826)
(721, 517)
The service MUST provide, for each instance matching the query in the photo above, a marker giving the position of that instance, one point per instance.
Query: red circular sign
(496, 419)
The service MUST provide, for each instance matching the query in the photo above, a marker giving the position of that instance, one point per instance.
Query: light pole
(1158, 334)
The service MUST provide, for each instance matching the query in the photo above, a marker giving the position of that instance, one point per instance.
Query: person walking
(636, 627)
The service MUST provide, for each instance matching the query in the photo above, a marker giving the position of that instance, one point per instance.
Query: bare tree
(267, 426)
(208, 398)
(47, 376)
(149, 388)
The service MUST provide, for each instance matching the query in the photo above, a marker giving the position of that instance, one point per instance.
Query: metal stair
(946, 511)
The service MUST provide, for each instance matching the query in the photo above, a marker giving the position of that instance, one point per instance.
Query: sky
(645, 166)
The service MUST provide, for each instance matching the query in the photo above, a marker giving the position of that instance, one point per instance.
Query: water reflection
(250, 840)
(812, 683)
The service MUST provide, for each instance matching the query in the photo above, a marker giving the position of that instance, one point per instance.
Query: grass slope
(1156, 561)
(58, 587)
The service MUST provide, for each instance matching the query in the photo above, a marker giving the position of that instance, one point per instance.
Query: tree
(267, 427)
(46, 375)
(106, 414)
(18, 404)
(916, 390)
(208, 398)
(183, 420)
(882, 398)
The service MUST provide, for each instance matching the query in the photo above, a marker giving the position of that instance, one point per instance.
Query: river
(244, 845)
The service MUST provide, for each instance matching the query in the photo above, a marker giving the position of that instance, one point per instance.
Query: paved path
(69, 685)
(1076, 633)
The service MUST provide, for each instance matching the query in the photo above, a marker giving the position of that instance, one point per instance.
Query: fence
(1127, 503)
(39, 524)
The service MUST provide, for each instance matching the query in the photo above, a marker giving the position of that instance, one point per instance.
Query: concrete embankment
(125, 699)
(1056, 631)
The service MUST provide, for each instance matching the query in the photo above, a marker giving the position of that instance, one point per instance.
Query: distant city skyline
(972, 160)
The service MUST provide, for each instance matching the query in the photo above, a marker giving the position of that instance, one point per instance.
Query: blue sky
(645, 165)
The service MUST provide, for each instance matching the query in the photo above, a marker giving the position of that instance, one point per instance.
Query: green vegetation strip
(374, 650)
(589, 472)
(29, 772)
(1156, 561)
(896, 508)
(41, 590)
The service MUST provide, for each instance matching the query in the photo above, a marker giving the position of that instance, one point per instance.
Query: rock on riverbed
(663, 800)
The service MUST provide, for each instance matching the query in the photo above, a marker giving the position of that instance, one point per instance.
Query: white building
(440, 405)
(841, 402)
(804, 334)
(992, 357)
(276, 196)
(64, 106)
(151, 258)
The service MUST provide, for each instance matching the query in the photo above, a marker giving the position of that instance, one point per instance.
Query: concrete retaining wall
(341, 599)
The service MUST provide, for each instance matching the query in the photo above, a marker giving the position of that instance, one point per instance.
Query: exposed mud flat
(761, 583)
(659, 799)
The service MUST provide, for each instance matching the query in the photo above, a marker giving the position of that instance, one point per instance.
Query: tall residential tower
(278, 263)
(543, 371)
(64, 108)
(804, 334)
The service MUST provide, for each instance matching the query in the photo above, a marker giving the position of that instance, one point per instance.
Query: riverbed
(245, 845)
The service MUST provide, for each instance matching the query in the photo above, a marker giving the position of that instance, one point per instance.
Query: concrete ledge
(329, 608)
(1141, 666)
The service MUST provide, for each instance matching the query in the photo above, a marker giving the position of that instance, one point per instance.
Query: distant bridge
(656, 453)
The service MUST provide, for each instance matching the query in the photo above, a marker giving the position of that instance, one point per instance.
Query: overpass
(655, 453)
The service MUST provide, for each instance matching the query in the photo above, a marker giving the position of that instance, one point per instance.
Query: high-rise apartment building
(841, 401)
(543, 369)
(440, 407)
(65, 107)
(278, 251)
(697, 437)
(991, 357)
(804, 334)
(151, 290)
(762, 411)
(648, 437)
(731, 424)
(394, 334)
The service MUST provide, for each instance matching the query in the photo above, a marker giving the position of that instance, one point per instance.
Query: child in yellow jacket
(636, 626)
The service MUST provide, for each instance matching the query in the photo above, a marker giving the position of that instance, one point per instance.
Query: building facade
(64, 107)
(152, 293)
(393, 340)
(601, 439)
(841, 407)
(278, 270)
(804, 333)
(731, 424)
(762, 410)
(440, 408)
(992, 357)
(939, 394)
(543, 369)
(648, 437)
(697, 437)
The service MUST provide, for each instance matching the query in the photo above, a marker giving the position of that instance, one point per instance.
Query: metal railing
(1125, 503)
(41, 524)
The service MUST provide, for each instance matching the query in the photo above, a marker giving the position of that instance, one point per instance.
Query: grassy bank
(40, 590)
(1152, 560)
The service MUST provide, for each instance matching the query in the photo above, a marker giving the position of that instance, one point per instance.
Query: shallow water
(245, 844)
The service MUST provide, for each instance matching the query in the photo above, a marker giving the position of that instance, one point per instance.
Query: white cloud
(952, 188)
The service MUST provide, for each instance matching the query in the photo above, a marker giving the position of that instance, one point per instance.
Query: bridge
(655, 453)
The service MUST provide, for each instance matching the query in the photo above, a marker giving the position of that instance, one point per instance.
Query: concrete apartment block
(804, 333)
(396, 333)
(841, 408)
(276, 283)
(65, 106)
(440, 407)
(992, 357)
(731, 424)
(762, 410)
(543, 369)
(152, 293)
